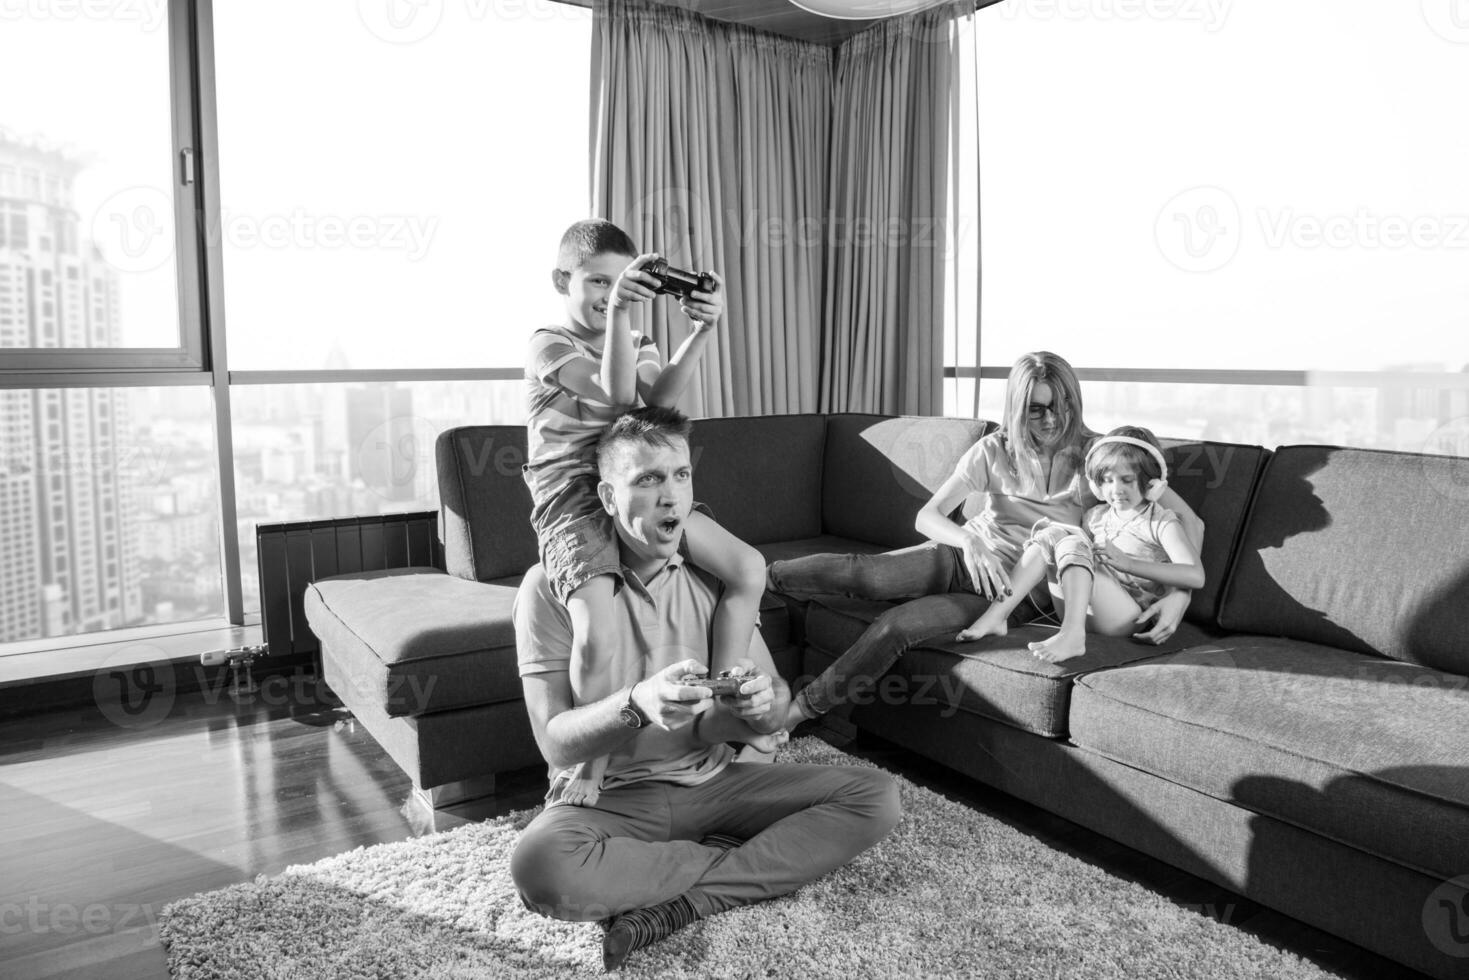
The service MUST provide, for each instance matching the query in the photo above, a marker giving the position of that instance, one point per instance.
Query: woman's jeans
(931, 576)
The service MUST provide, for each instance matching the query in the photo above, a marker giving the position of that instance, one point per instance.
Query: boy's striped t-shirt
(563, 427)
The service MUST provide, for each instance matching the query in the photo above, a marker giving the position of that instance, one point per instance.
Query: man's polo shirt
(658, 623)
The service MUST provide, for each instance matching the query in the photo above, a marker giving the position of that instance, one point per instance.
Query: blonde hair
(1043, 367)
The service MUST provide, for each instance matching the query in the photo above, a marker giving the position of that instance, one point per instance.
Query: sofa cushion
(484, 503)
(1358, 549)
(1368, 751)
(417, 640)
(879, 470)
(761, 476)
(997, 677)
(1216, 479)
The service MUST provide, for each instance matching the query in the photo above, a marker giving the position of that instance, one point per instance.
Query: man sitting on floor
(679, 829)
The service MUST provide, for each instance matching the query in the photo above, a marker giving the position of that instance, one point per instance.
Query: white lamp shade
(864, 9)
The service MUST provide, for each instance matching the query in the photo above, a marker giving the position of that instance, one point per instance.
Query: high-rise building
(68, 558)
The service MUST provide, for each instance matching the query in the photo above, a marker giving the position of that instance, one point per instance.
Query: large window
(1182, 186)
(98, 263)
(373, 232)
(109, 510)
(310, 451)
(394, 188)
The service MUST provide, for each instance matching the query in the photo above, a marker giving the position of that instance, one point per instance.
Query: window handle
(186, 157)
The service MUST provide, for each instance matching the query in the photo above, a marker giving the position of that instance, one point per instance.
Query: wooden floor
(106, 819)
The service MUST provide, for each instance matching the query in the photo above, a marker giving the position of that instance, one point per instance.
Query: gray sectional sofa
(1302, 740)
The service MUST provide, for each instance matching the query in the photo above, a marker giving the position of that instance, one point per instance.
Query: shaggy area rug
(951, 892)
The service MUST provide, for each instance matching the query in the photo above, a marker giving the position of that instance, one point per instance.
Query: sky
(1226, 183)
(1166, 183)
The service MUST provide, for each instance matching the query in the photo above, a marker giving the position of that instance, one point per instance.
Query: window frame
(34, 367)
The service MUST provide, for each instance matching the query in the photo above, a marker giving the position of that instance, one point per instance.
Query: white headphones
(1155, 487)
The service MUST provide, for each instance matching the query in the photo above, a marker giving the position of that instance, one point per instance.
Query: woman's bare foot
(990, 623)
(1063, 646)
(762, 748)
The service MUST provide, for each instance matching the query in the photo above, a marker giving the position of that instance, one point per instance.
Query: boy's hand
(634, 285)
(704, 309)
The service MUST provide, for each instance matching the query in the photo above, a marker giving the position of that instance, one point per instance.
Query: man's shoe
(631, 931)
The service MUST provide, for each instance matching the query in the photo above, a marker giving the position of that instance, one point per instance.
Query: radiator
(292, 556)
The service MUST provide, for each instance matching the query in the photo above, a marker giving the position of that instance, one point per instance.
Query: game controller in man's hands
(721, 684)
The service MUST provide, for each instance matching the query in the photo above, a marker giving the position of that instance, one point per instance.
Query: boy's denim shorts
(576, 538)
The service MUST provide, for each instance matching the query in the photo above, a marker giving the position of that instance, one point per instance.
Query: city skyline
(69, 559)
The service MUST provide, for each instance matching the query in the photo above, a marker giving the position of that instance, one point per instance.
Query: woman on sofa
(1031, 468)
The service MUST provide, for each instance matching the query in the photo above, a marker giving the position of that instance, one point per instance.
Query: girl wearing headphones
(1027, 471)
(1128, 553)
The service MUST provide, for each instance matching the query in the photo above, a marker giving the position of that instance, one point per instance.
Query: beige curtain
(710, 146)
(882, 333)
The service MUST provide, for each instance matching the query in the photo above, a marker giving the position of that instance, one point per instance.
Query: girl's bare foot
(762, 748)
(991, 623)
(1062, 646)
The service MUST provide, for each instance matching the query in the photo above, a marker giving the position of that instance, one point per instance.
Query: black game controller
(679, 282)
(722, 684)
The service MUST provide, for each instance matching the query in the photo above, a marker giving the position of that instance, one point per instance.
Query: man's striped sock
(631, 931)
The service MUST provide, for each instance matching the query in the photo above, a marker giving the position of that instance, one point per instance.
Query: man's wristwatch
(632, 716)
